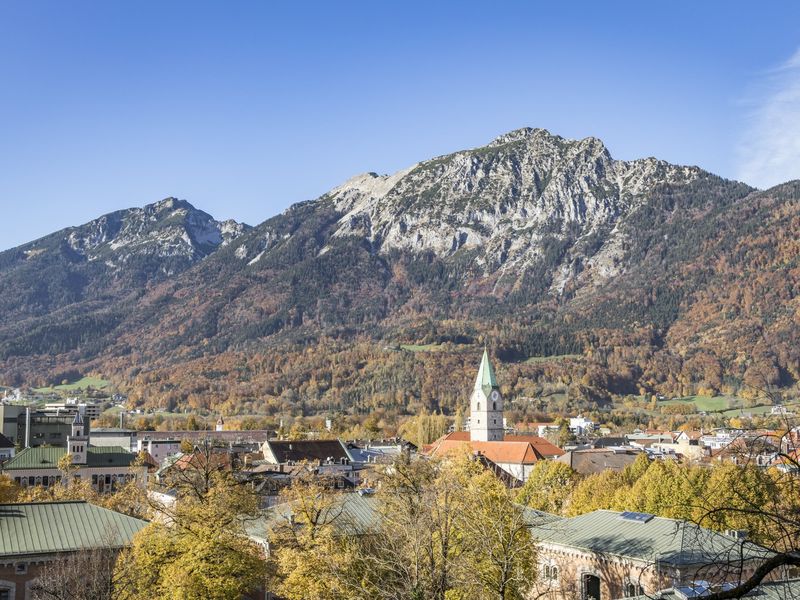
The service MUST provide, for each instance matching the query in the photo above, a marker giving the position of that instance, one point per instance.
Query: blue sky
(244, 108)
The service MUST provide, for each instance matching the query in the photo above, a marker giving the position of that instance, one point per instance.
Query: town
(399, 300)
(642, 514)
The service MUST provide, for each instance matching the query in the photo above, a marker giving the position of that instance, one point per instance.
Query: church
(514, 454)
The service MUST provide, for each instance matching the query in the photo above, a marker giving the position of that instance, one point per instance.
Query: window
(21, 568)
(633, 589)
(479, 406)
(494, 405)
(5, 594)
(550, 572)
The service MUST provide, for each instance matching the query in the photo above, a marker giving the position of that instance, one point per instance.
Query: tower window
(479, 406)
(494, 405)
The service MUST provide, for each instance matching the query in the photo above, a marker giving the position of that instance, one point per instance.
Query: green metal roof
(47, 527)
(351, 514)
(486, 380)
(773, 590)
(43, 457)
(669, 541)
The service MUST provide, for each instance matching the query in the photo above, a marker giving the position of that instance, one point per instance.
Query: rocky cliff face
(169, 228)
(507, 201)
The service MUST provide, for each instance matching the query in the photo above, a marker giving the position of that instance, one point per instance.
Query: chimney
(27, 426)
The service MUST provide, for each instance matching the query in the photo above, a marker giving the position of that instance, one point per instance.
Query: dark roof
(605, 442)
(5, 442)
(44, 457)
(588, 462)
(48, 527)
(310, 450)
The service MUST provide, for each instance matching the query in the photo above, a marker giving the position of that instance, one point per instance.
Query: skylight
(636, 517)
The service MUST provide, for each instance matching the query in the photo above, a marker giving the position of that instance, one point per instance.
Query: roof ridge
(48, 502)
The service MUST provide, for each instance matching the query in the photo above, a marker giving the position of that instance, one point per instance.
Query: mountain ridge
(537, 244)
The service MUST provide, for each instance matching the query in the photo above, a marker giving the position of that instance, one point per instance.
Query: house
(33, 535)
(105, 467)
(515, 458)
(378, 451)
(580, 425)
(596, 460)
(278, 452)
(607, 554)
(159, 449)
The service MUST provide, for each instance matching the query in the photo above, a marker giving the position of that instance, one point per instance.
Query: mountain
(637, 276)
(81, 277)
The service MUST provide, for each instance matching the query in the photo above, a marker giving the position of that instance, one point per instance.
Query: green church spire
(486, 380)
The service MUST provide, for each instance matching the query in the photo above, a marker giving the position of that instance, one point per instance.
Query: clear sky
(244, 108)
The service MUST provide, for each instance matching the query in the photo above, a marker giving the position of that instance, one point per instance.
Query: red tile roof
(516, 449)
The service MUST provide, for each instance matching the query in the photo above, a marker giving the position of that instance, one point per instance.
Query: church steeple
(486, 380)
(486, 405)
(78, 441)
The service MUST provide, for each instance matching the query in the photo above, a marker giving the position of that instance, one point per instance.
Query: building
(27, 426)
(515, 454)
(581, 425)
(90, 410)
(606, 554)
(105, 467)
(129, 438)
(7, 449)
(486, 405)
(159, 450)
(596, 460)
(33, 535)
(278, 452)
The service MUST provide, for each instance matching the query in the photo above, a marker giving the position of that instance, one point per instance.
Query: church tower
(486, 405)
(78, 441)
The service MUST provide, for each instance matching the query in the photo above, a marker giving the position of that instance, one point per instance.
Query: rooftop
(47, 527)
(47, 457)
(773, 590)
(669, 541)
(310, 450)
(515, 448)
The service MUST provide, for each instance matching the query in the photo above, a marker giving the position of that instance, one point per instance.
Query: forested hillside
(634, 277)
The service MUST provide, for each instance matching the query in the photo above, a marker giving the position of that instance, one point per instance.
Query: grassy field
(81, 384)
(421, 347)
(541, 359)
(706, 403)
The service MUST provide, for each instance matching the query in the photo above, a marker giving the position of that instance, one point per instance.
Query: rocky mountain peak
(502, 201)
